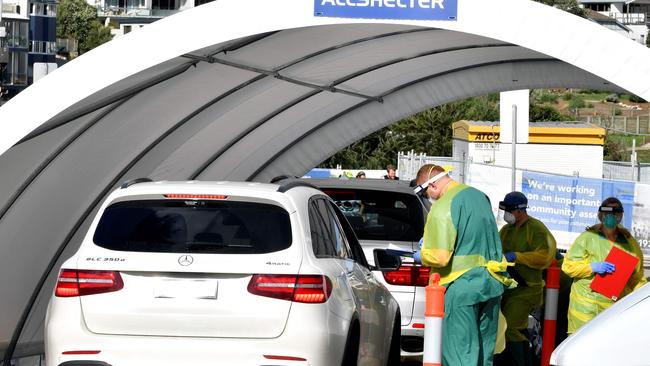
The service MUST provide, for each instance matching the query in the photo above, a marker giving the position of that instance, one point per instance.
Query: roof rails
(131, 182)
(282, 177)
(293, 183)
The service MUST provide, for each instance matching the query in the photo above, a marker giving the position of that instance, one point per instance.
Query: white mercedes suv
(220, 273)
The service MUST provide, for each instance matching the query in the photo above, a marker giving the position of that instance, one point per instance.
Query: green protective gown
(534, 246)
(592, 246)
(462, 244)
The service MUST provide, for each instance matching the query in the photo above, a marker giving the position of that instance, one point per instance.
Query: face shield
(422, 188)
(506, 212)
(610, 216)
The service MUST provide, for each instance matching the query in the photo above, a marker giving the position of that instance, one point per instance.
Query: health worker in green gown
(531, 247)
(586, 259)
(461, 243)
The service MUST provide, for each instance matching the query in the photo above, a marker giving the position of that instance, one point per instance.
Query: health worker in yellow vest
(461, 243)
(528, 244)
(586, 259)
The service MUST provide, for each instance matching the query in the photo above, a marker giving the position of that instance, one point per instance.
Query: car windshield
(380, 215)
(177, 226)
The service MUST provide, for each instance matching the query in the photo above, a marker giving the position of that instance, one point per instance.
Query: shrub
(548, 98)
(567, 96)
(612, 98)
(576, 103)
(636, 99)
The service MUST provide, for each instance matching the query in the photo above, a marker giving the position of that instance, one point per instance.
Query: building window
(16, 72)
(43, 10)
(48, 48)
(17, 34)
(201, 2)
(135, 4)
(164, 5)
(598, 6)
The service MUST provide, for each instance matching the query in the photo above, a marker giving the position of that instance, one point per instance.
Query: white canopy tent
(247, 90)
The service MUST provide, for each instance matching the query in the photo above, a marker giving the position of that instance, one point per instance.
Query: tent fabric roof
(247, 90)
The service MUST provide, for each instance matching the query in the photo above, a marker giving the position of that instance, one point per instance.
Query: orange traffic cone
(550, 312)
(433, 315)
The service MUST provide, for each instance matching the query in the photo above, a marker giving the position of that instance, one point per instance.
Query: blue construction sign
(388, 9)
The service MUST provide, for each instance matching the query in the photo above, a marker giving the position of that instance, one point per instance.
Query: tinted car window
(176, 226)
(320, 240)
(380, 215)
(327, 238)
(340, 242)
(355, 247)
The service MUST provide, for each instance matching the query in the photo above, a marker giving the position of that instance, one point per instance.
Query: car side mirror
(385, 262)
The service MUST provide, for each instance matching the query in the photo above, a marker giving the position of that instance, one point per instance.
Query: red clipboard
(611, 285)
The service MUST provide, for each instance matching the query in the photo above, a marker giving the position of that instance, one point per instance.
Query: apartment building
(633, 15)
(126, 16)
(27, 43)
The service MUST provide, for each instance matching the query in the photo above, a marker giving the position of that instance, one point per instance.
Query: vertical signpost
(514, 147)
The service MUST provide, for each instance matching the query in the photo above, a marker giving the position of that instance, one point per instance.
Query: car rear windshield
(380, 215)
(177, 226)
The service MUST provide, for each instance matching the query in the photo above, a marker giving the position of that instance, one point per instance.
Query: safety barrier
(433, 313)
(550, 312)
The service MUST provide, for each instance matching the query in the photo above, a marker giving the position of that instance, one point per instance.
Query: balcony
(630, 18)
(124, 12)
(8, 8)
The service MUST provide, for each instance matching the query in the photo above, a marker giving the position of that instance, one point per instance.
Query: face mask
(509, 217)
(610, 221)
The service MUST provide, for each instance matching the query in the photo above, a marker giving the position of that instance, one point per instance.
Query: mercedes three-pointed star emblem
(185, 260)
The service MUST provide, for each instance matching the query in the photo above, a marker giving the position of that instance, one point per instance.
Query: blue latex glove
(417, 258)
(603, 267)
(420, 242)
(510, 256)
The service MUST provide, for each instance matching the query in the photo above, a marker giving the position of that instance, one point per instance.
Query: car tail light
(80, 352)
(74, 282)
(284, 358)
(408, 275)
(311, 289)
(197, 196)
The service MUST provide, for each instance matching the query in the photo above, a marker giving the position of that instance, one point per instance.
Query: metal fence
(639, 125)
(408, 164)
(624, 170)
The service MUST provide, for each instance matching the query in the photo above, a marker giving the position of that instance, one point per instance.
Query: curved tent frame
(247, 90)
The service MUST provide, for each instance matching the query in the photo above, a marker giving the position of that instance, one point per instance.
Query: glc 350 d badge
(185, 260)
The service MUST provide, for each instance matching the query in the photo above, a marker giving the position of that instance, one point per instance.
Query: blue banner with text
(388, 9)
(571, 203)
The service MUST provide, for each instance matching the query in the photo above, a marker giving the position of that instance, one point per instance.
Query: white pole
(633, 158)
(514, 147)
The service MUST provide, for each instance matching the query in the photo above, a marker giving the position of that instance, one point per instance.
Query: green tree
(613, 149)
(97, 35)
(428, 132)
(571, 6)
(647, 39)
(543, 113)
(76, 19)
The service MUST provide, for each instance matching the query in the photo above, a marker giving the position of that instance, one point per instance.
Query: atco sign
(487, 136)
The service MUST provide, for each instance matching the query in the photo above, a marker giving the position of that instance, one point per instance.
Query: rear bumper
(319, 344)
